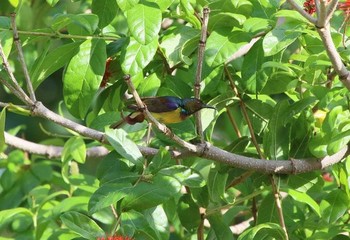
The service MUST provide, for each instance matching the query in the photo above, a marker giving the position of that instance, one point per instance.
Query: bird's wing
(162, 104)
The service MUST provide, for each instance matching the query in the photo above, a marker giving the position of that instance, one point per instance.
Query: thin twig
(65, 36)
(300, 10)
(21, 58)
(197, 83)
(331, 7)
(245, 113)
(233, 122)
(15, 88)
(278, 205)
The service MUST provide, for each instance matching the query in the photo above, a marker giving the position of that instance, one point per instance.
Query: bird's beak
(208, 106)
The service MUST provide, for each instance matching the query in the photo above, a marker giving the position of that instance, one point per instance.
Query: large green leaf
(254, 77)
(83, 76)
(106, 11)
(306, 199)
(263, 231)
(221, 44)
(9, 215)
(149, 86)
(220, 227)
(216, 184)
(277, 138)
(281, 37)
(82, 225)
(135, 224)
(53, 61)
(136, 56)
(173, 41)
(6, 39)
(144, 22)
(108, 195)
(124, 146)
(150, 194)
(75, 149)
(334, 206)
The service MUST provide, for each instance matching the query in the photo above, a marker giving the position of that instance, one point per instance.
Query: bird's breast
(169, 117)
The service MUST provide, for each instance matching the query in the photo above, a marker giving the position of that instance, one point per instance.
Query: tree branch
(21, 57)
(300, 10)
(38, 109)
(197, 83)
(294, 166)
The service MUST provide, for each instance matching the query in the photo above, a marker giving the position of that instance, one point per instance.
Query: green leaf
(338, 142)
(75, 149)
(256, 25)
(216, 184)
(6, 39)
(144, 22)
(2, 129)
(334, 205)
(277, 139)
(138, 225)
(52, 3)
(268, 213)
(185, 175)
(107, 195)
(188, 212)
(5, 22)
(150, 85)
(83, 76)
(146, 195)
(302, 197)
(254, 77)
(124, 146)
(262, 231)
(106, 10)
(82, 225)
(220, 227)
(173, 41)
(221, 44)
(281, 37)
(189, 15)
(136, 56)
(303, 182)
(53, 61)
(9, 215)
(225, 20)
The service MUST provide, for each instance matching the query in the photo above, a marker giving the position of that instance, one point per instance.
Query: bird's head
(192, 105)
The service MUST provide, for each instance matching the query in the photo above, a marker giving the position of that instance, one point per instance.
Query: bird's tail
(131, 119)
(118, 124)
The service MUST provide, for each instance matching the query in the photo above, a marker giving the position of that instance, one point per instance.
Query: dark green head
(192, 105)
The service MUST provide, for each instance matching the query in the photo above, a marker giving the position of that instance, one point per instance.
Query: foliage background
(295, 103)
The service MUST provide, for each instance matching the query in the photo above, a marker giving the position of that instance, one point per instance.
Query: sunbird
(166, 109)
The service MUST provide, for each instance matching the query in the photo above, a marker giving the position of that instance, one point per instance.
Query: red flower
(309, 6)
(345, 6)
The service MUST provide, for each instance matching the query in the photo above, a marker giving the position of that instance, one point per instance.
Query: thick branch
(213, 153)
(38, 109)
(333, 55)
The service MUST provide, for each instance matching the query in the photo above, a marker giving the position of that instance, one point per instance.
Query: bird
(166, 109)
